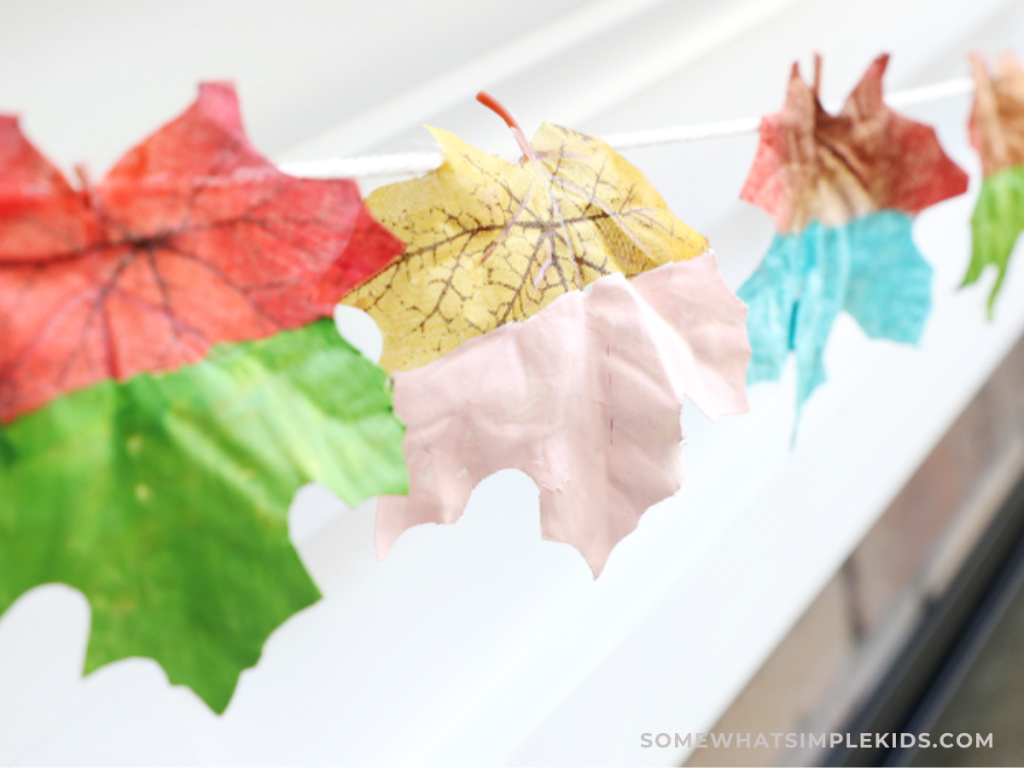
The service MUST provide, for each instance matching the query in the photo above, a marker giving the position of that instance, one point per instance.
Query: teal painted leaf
(889, 291)
(165, 499)
(997, 221)
(869, 267)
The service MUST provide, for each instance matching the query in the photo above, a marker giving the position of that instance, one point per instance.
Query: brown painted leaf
(192, 239)
(489, 242)
(997, 119)
(813, 166)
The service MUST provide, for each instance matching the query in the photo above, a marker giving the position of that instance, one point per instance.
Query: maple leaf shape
(842, 191)
(165, 499)
(489, 242)
(584, 397)
(997, 133)
(193, 238)
(813, 166)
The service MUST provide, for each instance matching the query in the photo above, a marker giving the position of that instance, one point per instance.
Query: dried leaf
(165, 499)
(192, 239)
(842, 191)
(583, 397)
(489, 242)
(997, 133)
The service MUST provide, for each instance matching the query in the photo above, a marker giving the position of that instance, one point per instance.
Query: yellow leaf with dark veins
(489, 242)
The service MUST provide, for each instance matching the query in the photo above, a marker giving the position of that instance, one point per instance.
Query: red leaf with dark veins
(193, 239)
(40, 214)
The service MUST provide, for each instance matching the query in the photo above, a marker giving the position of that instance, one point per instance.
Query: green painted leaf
(998, 219)
(165, 499)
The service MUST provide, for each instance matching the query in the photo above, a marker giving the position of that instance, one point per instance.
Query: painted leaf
(192, 239)
(584, 397)
(165, 499)
(997, 133)
(155, 435)
(813, 166)
(869, 267)
(489, 242)
(842, 191)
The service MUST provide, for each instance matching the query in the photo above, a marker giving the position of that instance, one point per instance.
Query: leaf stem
(82, 172)
(517, 130)
(88, 191)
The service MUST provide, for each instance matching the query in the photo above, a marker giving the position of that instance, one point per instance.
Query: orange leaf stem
(517, 130)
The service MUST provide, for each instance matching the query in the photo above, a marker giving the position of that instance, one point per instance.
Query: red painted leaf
(193, 239)
(813, 166)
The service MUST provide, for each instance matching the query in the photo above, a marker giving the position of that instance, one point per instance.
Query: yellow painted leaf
(489, 242)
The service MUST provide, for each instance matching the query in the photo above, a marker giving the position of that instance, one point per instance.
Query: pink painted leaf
(584, 397)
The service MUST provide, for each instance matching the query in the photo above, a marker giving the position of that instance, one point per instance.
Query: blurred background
(865, 579)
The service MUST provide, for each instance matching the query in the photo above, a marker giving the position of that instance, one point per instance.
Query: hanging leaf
(584, 397)
(165, 499)
(192, 239)
(842, 191)
(489, 242)
(139, 464)
(997, 133)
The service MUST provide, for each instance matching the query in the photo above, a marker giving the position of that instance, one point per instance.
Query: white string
(414, 164)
